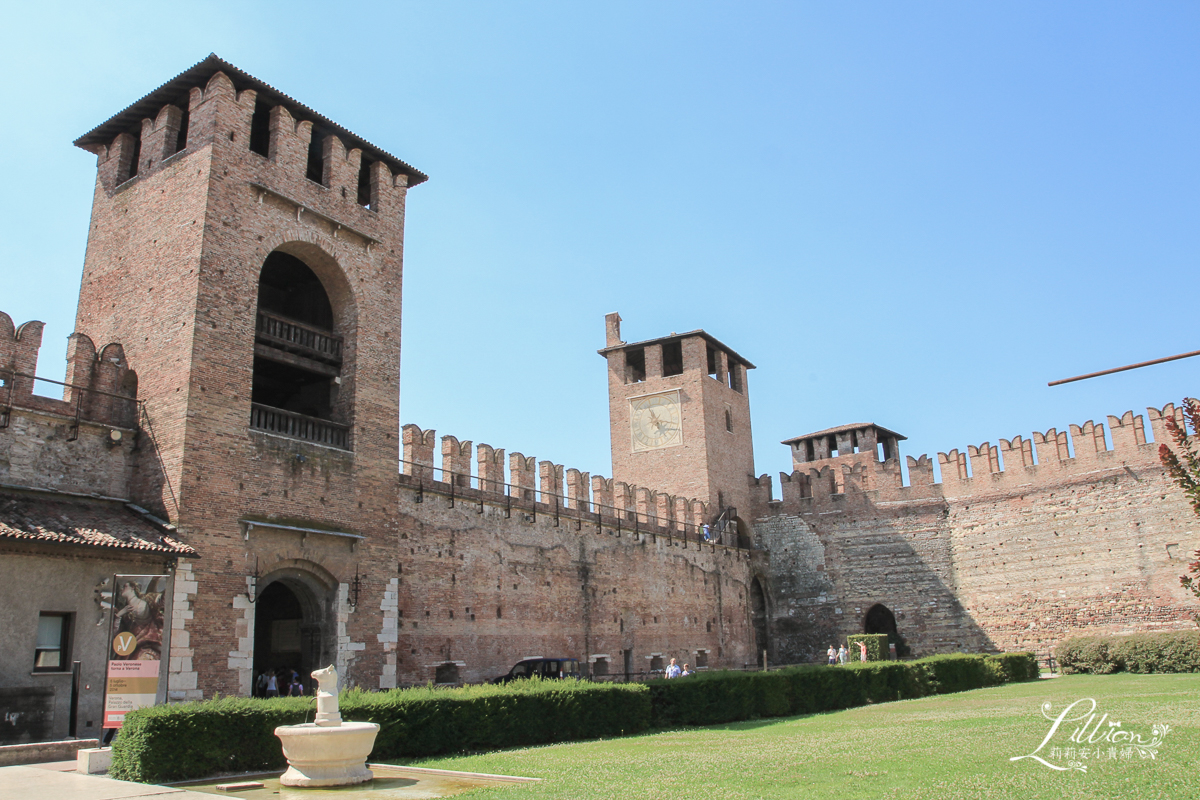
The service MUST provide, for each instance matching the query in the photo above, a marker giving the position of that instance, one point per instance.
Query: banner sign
(135, 645)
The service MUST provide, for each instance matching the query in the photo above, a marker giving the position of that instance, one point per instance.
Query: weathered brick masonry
(245, 261)
(1005, 559)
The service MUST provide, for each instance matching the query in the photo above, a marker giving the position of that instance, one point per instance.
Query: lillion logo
(1094, 738)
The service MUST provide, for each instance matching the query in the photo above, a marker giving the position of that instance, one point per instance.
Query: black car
(542, 668)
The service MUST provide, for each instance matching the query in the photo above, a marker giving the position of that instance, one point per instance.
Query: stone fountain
(327, 752)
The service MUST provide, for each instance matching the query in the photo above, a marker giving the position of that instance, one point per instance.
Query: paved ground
(53, 782)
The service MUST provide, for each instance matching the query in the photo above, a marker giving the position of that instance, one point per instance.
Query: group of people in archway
(278, 683)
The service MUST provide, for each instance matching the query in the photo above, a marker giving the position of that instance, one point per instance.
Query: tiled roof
(176, 91)
(53, 518)
(854, 426)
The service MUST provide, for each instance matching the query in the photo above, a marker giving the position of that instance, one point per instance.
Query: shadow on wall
(875, 570)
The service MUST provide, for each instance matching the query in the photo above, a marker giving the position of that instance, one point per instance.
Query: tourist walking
(673, 670)
(832, 656)
(841, 655)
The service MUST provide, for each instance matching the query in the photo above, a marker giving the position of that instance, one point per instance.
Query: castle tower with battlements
(679, 416)
(247, 252)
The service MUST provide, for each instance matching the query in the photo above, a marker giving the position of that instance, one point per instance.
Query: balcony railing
(299, 426)
(298, 337)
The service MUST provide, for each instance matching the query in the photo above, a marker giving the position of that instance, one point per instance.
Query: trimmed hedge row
(235, 734)
(715, 697)
(1176, 651)
(231, 735)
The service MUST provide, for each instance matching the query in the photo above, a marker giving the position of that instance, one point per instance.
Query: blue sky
(911, 214)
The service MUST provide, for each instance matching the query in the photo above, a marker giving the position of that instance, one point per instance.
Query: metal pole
(1122, 369)
(73, 719)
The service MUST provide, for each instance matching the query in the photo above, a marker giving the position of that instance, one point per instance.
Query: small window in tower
(129, 172)
(181, 139)
(702, 658)
(635, 365)
(315, 171)
(364, 183)
(260, 129)
(672, 356)
(833, 448)
(712, 362)
(736, 371)
(728, 420)
(810, 450)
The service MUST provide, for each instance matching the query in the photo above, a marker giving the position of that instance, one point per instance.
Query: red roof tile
(62, 519)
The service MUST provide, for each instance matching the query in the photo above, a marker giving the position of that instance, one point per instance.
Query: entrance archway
(287, 633)
(758, 616)
(880, 619)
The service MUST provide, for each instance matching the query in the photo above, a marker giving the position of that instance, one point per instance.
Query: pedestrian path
(50, 782)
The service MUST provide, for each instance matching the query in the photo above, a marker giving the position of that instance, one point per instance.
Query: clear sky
(909, 214)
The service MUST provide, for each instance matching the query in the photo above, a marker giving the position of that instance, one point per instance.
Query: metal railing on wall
(126, 418)
(722, 532)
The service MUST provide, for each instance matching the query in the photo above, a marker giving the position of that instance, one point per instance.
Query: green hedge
(877, 646)
(714, 697)
(230, 735)
(1176, 651)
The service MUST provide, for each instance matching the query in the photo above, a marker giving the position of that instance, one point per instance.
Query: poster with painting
(135, 645)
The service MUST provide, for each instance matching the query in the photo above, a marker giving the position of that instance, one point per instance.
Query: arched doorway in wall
(287, 633)
(301, 355)
(880, 619)
(758, 618)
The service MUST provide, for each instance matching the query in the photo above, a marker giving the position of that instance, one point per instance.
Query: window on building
(600, 667)
(53, 640)
(729, 420)
(260, 129)
(635, 365)
(701, 658)
(316, 156)
(364, 183)
(656, 664)
(297, 356)
(736, 371)
(712, 361)
(672, 355)
(181, 138)
(446, 673)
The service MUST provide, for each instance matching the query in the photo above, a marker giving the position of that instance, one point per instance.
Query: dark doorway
(285, 640)
(758, 611)
(879, 619)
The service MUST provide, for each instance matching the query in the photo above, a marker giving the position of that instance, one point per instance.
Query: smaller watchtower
(679, 415)
(860, 443)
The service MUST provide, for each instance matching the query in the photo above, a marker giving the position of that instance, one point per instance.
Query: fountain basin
(320, 755)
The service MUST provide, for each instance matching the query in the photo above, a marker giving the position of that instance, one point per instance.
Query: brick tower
(247, 253)
(679, 415)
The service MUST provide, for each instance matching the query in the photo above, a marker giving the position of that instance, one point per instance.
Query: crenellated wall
(1019, 545)
(85, 443)
(566, 489)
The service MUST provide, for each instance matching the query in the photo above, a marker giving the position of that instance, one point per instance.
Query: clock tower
(679, 416)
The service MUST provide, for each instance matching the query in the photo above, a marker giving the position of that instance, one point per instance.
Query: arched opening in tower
(297, 354)
(287, 638)
(758, 616)
(880, 619)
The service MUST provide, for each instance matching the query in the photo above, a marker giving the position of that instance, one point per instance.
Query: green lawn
(953, 746)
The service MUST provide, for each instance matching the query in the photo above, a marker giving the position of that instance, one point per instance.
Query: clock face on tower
(655, 421)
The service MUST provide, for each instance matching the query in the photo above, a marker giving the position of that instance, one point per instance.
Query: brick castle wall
(1013, 558)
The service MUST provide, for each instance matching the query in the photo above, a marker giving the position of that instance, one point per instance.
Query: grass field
(953, 746)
